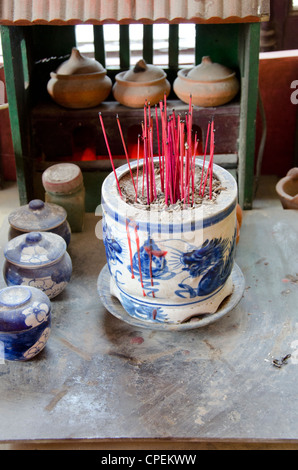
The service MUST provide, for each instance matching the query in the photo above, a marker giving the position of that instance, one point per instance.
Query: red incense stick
(126, 154)
(152, 162)
(109, 152)
(138, 164)
(158, 146)
(194, 168)
(209, 169)
(211, 159)
(205, 152)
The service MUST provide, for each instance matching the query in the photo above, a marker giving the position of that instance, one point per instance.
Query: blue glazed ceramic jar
(39, 216)
(38, 259)
(25, 322)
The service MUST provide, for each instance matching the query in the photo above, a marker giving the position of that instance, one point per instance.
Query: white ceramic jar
(169, 266)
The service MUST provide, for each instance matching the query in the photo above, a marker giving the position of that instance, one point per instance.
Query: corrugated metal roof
(25, 12)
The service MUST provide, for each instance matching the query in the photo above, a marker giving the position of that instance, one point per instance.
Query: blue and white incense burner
(38, 259)
(170, 265)
(25, 322)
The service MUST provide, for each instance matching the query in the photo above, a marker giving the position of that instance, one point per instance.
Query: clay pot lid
(208, 71)
(62, 178)
(35, 249)
(143, 72)
(37, 216)
(79, 64)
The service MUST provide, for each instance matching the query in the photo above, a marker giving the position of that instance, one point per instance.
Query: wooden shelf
(49, 119)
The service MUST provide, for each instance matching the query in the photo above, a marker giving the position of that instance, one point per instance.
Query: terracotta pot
(209, 84)
(145, 81)
(79, 82)
(287, 189)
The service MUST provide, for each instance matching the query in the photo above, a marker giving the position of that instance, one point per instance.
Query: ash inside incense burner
(173, 178)
(136, 194)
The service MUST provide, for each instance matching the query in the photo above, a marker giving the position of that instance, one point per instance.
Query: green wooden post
(16, 76)
(124, 47)
(148, 43)
(173, 46)
(26, 49)
(249, 68)
(237, 46)
(99, 45)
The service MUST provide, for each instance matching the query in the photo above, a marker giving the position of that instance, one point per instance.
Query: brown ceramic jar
(144, 82)
(79, 82)
(209, 84)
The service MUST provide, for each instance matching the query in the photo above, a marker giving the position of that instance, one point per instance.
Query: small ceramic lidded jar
(64, 185)
(25, 322)
(38, 259)
(143, 82)
(39, 216)
(209, 84)
(79, 82)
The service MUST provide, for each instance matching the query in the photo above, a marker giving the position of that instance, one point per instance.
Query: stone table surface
(100, 379)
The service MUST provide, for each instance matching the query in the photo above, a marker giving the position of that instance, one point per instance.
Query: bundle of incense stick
(176, 150)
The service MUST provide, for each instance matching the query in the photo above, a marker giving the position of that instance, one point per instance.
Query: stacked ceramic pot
(37, 268)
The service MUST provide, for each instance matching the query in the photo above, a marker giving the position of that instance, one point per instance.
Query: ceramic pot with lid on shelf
(38, 259)
(39, 216)
(25, 322)
(209, 84)
(79, 82)
(143, 82)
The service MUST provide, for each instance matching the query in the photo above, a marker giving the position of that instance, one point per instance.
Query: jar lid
(35, 249)
(143, 72)
(208, 71)
(22, 308)
(62, 178)
(78, 64)
(37, 216)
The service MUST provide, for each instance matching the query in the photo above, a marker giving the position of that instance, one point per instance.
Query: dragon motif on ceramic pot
(213, 262)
